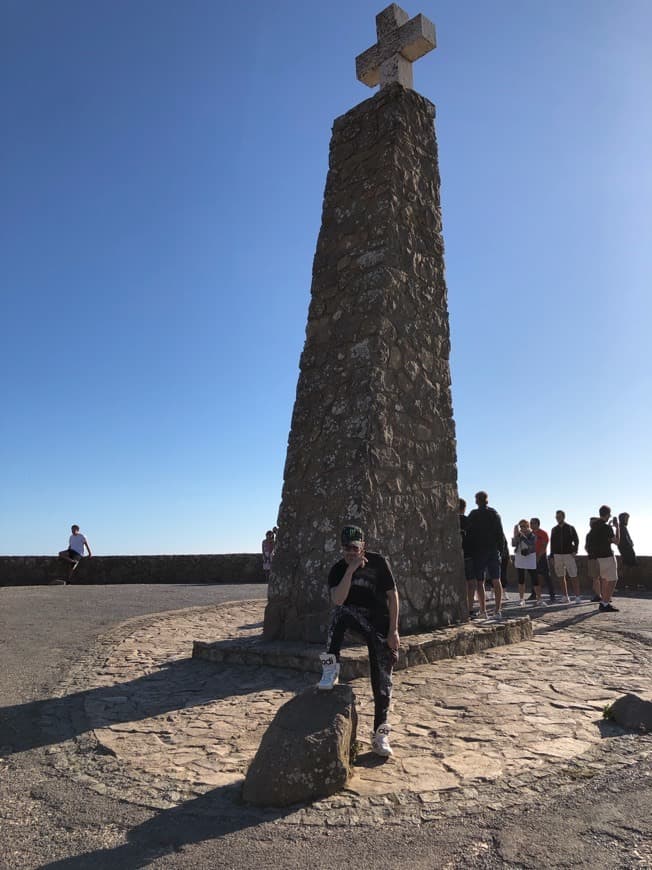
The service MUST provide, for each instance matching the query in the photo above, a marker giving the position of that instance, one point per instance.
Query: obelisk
(372, 438)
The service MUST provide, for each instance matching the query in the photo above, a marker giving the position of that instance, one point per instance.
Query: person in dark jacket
(592, 567)
(626, 545)
(563, 547)
(469, 571)
(485, 541)
(601, 538)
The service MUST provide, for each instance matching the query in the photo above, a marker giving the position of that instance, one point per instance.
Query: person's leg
(521, 586)
(330, 660)
(481, 598)
(498, 595)
(609, 587)
(470, 594)
(560, 571)
(381, 665)
(609, 578)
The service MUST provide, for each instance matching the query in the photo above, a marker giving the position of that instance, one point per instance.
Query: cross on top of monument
(401, 41)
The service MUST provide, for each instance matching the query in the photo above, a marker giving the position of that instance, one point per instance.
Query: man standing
(599, 542)
(365, 599)
(563, 547)
(543, 571)
(469, 571)
(485, 534)
(75, 552)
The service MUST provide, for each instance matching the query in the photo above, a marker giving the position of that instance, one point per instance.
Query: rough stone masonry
(372, 438)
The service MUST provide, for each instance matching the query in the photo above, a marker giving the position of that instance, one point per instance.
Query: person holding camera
(600, 540)
(525, 559)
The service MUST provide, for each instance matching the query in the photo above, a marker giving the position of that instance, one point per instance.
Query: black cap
(352, 535)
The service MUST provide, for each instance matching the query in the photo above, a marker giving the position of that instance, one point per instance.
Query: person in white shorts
(600, 540)
(563, 547)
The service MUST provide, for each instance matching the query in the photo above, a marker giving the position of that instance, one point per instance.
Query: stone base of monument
(417, 649)
(306, 752)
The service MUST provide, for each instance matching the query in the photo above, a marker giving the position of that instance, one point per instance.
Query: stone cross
(400, 43)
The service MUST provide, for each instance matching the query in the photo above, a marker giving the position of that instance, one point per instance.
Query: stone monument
(372, 438)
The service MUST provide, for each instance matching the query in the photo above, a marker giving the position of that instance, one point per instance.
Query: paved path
(136, 720)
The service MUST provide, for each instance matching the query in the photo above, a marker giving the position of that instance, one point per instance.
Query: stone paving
(488, 730)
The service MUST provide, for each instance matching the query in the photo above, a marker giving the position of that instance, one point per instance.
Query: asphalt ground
(47, 820)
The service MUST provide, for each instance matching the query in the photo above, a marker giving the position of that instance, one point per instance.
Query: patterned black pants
(381, 658)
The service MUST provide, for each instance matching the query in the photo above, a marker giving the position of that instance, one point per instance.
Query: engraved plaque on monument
(372, 438)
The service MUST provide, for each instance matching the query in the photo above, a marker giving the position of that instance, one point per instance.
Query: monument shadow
(173, 686)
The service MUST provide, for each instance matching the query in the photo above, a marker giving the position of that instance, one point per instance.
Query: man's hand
(393, 641)
(357, 562)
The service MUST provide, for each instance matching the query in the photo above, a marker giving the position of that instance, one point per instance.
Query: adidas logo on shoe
(380, 741)
(330, 672)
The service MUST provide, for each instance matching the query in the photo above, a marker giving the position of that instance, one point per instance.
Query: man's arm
(340, 592)
(87, 547)
(393, 640)
(575, 541)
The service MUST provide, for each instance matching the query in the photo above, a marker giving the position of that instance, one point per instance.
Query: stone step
(417, 649)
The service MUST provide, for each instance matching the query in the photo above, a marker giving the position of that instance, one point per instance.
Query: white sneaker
(521, 602)
(578, 599)
(330, 672)
(541, 603)
(380, 741)
(505, 595)
(567, 599)
(483, 614)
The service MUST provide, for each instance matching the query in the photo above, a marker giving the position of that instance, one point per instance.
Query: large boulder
(306, 751)
(632, 712)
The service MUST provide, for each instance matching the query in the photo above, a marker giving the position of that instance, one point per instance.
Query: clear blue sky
(162, 166)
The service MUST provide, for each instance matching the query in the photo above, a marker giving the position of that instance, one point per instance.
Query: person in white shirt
(75, 552)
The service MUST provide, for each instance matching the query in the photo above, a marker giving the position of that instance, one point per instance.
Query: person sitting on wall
(365, 602)
(75, 552)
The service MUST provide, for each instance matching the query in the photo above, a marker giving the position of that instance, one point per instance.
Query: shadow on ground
(195, 821)
(173, 686)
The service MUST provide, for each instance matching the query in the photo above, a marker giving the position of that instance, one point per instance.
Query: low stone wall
(222, 568)
(637, 579)
(226, 568)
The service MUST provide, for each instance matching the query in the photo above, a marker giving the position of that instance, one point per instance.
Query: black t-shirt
(599, 540)
(369, 588)
(484, 531)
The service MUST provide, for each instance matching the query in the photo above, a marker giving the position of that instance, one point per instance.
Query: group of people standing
(487, 556)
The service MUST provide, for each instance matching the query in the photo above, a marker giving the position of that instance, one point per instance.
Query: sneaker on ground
(552, 599)
(609, 608)
(483, 614)
(505, 595)
(521, 602)
(330, 672)
(498, 615)
(380, 741)
(567, 599)
(541, 602)
(57, 583)
(578, 599)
